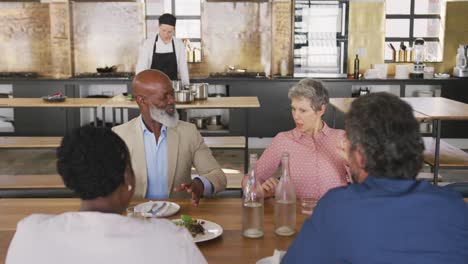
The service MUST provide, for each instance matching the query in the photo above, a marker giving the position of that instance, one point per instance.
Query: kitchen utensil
(184, 96)
(107, 69)
(155, 210)
(176, 85)
(55, 97)
(200, 90)
(417, 71)
(199, 122)
(461, 68)
(383, 69)
(401, 71)
(163, 209)
(214, 120)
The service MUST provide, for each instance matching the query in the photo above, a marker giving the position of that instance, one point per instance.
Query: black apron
(165, 62)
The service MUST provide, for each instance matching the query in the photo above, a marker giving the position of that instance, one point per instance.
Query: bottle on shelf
(252, 207)
(284, 68)
(356, 67)
(285, 201)
(188, 49)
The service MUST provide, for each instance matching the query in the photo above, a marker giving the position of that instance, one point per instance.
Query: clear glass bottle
(252, 207)
(285, 202)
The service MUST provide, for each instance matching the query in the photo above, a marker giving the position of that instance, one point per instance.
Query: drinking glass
(307, 205)
(132, 213)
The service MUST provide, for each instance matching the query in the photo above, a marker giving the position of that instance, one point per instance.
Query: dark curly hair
(384, 127)
(92, 161)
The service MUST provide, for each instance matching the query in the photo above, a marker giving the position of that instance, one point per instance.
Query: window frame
(411, 17)
(173, 9)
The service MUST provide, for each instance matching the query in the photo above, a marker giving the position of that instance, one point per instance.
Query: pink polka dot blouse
(316, 163)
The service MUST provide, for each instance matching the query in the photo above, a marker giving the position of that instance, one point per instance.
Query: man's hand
(195, 187)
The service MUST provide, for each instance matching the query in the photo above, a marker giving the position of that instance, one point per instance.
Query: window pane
(397, 28)
(426, 27)
(389, 51)
(433, 51)
(152, 27)
(158, 7)
(188, 28)
(401, 7)
(425, 7)
(187, 8)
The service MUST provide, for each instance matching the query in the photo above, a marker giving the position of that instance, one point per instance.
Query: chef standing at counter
(164, 52)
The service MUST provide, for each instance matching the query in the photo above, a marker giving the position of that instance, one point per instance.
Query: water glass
(132, 213)
(307, 205)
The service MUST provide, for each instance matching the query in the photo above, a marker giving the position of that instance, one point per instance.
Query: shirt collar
(145, 129)
(161, 41)
(393, 185)
(324, 131)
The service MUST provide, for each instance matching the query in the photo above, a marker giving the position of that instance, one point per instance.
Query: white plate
(212, 231)
(170, 209)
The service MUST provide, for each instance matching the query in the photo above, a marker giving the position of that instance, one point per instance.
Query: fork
(152, 207)
(157, 210)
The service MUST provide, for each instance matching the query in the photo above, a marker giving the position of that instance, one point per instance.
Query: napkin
(275, 259)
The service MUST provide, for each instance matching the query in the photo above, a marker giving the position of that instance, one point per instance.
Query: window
(188, 13)
(407, 20)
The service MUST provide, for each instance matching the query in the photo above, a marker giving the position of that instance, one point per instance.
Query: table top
(439, 107)
(231, 247)
(30, 142)
(344, 104)
(31, 181)
(210, 103)
(39, 102)
(38, 181)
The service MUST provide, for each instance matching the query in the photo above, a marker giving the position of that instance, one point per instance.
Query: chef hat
(167, 19)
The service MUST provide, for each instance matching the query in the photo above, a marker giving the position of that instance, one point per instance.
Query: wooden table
(38, 102)
(210, 103)
(27, 181)
(435, 109)
(231, 247)
(344, 104)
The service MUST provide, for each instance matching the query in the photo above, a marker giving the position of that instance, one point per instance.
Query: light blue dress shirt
(156, 165)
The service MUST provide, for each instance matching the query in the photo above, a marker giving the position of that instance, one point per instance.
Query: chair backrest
(461, 187)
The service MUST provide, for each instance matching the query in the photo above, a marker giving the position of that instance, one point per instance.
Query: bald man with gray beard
(163, 149)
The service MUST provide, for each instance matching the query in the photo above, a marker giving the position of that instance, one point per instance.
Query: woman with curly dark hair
(95, 164)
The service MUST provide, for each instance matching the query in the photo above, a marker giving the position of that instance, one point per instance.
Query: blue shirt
(385, 221)
(156, 165)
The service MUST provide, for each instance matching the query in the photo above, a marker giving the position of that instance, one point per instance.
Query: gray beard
(162, 117)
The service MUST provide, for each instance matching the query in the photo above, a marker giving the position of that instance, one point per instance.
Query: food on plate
(194, 226)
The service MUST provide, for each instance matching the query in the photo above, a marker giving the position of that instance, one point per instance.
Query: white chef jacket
(145, 56)
(93, 237)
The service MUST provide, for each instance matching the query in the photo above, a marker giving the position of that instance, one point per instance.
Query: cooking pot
(214, 120)
(200, 90)
(183, 96)
(199, 122)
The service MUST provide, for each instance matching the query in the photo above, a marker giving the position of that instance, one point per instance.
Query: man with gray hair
(387, 216)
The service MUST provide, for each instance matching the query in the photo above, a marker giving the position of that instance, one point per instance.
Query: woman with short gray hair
(317, 160)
